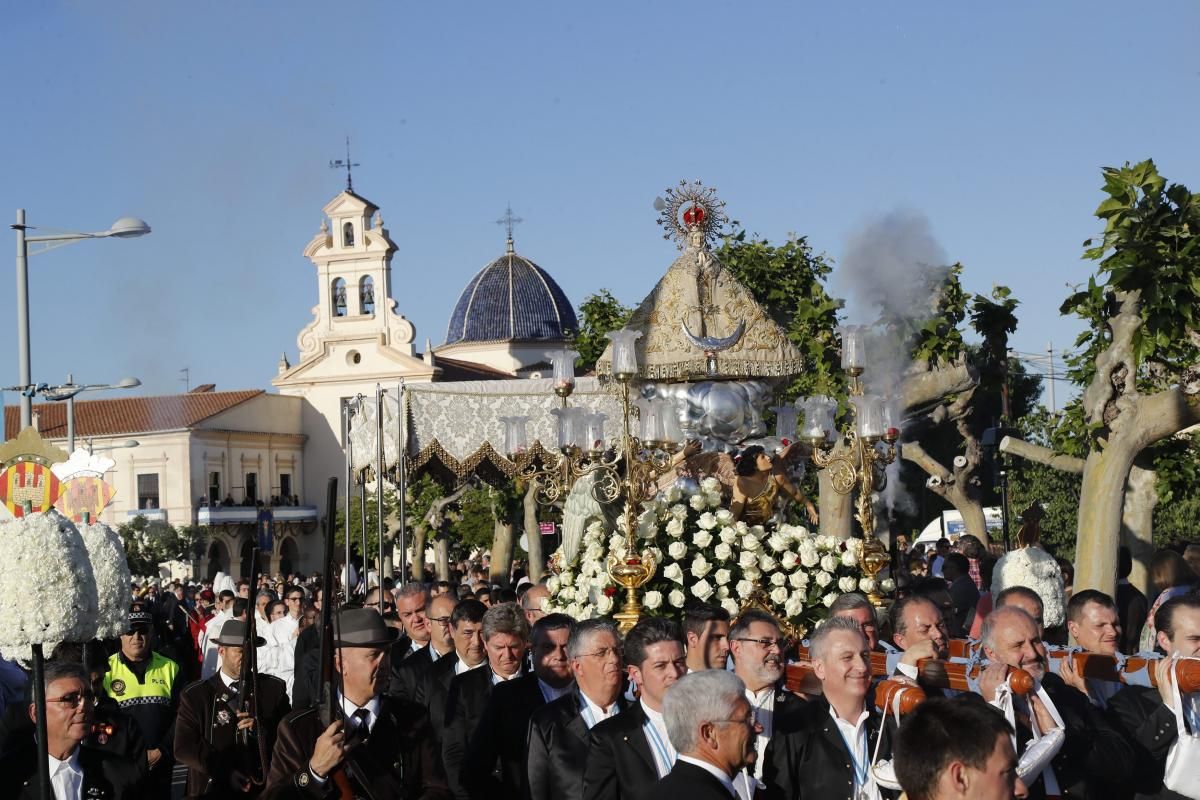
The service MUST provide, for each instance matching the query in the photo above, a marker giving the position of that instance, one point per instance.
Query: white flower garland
(47, 591)
(111, 572)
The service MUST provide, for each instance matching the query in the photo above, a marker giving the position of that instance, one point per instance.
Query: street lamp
(114, 446)
(68, 390)
(123, 228)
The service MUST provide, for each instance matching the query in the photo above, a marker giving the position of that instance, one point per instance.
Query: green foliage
(148, 543)
(1057, 491)
(356, 523)
(1149, 246)
(935, 338)
(419, 497)
(476, 524)
(598, 314)
(789, 281)
(1176, 522)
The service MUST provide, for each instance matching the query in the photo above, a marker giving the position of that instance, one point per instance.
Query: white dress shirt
(660, 744)
(498, 678)
(281, 645)
(855, 736)
(460, 667)
(593, 714)
(373, 705)
(212, 629)
(66, 777)
(711, 770)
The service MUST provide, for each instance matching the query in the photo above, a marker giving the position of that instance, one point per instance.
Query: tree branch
(929, 386)
(1115, 374)
(940, 477)
(1042, 455)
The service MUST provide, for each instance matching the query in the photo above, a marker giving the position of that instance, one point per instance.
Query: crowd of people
(465, 690)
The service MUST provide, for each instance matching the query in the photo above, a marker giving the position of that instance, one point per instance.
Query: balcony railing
(248, 515)
(152, 514)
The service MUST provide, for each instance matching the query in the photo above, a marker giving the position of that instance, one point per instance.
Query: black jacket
(465, 700)
(206, 727)
(1149, 726)
(106, 775)
(620, 763)
(689, 782)
(558, 749)
(307, 672)
(495, 764)
(1132, 607)
(807, 758)
(408, 675)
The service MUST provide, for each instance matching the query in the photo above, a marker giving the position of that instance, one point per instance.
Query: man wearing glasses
(757, 647)
(409, 676)
(558, 731)
(77, 769)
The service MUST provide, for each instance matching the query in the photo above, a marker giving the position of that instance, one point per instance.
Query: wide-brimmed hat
(233, 634)
(362, 627)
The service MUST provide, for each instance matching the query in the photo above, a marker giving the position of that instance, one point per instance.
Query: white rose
(867, 585)
(710, 484)
(604, 604)
(707, 521)
(677, 550)
(887, 585)
(809, 557)
(722, 592)
(702, 589)
(731, 606)
(702, 539)
(552, 584)
(713, 498)
(722, 577)
(679, 512)
(567, 579)
(798, 579)
(778, 578)
(673, 494)
(779, 595)
(777, 542)
(697, 502)
(789, 560)
(744, 588)
(829, 598)
(700, 566)
(652, 600)
(673, 572)
(849, 559)
(751, 573)
(566, 594)
(824, 579)
(766, 563)
(829, 563)
(724, 516)
(723, 552)
(747, 559)
(793, 607)
(749, 542)
(847, 584)
(676, 598)
(675, 528)
(729, 535)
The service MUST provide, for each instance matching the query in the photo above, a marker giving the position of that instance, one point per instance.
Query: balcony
(151, 514)
(248, 515)
(294, 513)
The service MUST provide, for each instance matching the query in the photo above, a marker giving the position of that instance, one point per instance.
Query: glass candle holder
(515, 437)
(624, 354)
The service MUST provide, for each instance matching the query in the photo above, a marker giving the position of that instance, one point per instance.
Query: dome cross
(509, 221)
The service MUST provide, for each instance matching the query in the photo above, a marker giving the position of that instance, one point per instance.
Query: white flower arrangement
(47, 591)
(111, 573)
(1036, 569)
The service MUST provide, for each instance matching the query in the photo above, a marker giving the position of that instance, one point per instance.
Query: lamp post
(124, 228)
(67, 392)
(114, 446)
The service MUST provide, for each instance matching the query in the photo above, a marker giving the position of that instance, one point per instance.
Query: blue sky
(215, 122)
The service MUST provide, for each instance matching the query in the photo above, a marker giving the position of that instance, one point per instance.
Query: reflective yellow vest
(147, 701)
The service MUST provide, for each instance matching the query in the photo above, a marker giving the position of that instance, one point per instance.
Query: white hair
(698, 697)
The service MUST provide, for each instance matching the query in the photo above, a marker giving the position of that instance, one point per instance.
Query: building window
(339, 298)
(285, 488)
(251, 488)
(147, 488)
(348, 234)
(366, 294)
(214, 488)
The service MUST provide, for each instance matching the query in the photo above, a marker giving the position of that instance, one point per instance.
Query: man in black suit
(1093, 759)
(1095, 625)
(497, 754)
(558, 731)
(504, 633)
(918, 630)
(380, 745)
(757, 647)
(963, 591)
(1132, 606)
(305, 686)
(209, 721)
(410, 608)
(824, 748)
(631, 751)
(408, 676)
(77, 769)
(1146, 715)
(712, 728)
(466, 627)
(706, 635)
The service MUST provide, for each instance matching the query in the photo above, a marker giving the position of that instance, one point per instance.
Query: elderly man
(1092, 759)
(504, 632)
(498, 751)
(959, 749)
(380, 745)
(757, 647)
(78, 771)
(712, 728)
(146, 687)
(1146, 716)
(824, 749)
(410, 607)
(918, 630)
(409, 676)
(706, 633)
(632, 750)
(210, 718)
(558, 731)
(531, 602)
(858, 608)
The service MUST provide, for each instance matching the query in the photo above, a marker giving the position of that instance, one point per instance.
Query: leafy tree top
(598, 314)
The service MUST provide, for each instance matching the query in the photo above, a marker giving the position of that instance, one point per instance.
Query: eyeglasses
(604, 652)
(73, 699)
(749, 721)
(443, 621)
(767, 644)
(297, 598)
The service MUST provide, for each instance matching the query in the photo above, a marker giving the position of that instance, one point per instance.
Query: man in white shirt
(757, 648)
(712, 728)
(212, 629)
(281, 638)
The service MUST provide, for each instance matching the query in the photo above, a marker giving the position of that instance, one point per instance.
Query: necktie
(361, 716)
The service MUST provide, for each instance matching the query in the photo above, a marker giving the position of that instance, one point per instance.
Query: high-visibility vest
(149, 700)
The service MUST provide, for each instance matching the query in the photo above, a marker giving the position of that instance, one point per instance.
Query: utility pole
(1050, 361)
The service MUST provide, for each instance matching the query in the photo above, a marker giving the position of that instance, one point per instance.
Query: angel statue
(760, 480)
(1031, 566)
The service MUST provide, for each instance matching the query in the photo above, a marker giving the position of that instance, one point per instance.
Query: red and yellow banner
(28, 483)
(85, 493)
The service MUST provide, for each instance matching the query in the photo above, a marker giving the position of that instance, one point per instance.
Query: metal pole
(362, 518)
(379, 485)
(401, 477)
(24, 367)
(1050, 351)
(349, 458)
(70, 418)
(39, 700)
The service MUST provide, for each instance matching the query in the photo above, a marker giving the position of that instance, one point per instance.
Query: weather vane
(509, 221)
(345, 164)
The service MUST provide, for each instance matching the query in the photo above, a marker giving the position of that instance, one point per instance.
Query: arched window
(339, 297)
(366, 294)
(348, 235)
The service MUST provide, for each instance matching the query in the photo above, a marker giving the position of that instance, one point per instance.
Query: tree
(356, 523)
(149, 543)
(598, 314)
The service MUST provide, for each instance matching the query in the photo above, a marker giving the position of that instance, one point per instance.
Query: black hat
(362, 627)
(233, 634)
(139, 615)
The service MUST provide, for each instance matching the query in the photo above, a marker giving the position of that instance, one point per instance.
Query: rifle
(333, 709)
(253, 751)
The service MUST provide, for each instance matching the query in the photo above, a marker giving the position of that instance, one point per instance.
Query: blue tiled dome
(511, 299)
